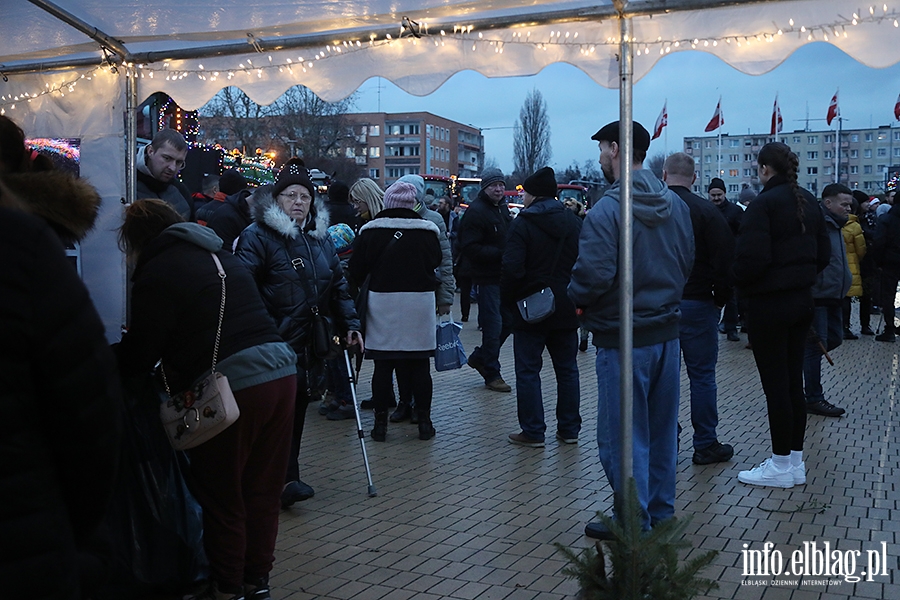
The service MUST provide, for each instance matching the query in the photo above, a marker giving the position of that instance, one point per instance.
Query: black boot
(379, 432)
(426, 429)
(403, 413)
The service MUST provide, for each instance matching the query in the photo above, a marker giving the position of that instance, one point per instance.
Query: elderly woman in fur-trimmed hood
(292, 258)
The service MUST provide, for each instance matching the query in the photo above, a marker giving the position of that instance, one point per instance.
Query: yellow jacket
(855, 242)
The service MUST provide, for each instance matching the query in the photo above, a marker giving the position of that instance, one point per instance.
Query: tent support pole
(626, 260)
(84, 27)
(131, 103)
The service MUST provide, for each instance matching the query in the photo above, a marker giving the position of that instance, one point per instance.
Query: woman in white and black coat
(399, 251)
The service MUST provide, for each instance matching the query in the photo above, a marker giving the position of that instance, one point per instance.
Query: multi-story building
(391, 145)
(866, 158)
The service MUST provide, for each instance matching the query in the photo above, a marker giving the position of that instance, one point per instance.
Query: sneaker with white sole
(767, 474)
(799, 473)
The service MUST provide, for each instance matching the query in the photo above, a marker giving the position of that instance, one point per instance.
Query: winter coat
(834, 281)
(400, 316)
(663, 255)
(175, 304)
(711, 277)
(231, 218)
(733, 214)
(296, 270)
(855, 242)
(59, 411)
(482, 238)
(446, 291)
(342, 212)
(886, 242)
(174, 192)
(772, 254)
(528, 261)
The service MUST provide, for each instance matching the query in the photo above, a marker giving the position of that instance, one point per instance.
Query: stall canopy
(66, 66)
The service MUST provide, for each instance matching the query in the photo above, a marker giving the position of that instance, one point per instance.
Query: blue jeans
(828, 325)
(495, 328)
(655, 413)
(700, 351)
(562, 344)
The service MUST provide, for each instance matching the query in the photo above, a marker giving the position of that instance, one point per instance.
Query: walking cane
(359, 428)
(814, 335)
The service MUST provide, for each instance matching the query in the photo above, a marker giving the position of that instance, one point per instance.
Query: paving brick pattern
(468, 515)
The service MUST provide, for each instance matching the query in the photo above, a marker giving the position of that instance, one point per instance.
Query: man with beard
(663, 255)
(158, 164)
(828, 294)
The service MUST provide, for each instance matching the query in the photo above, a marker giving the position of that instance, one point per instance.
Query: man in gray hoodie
(663, 255)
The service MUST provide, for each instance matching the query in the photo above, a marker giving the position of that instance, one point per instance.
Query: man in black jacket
(158, 165)
(540, 252)
(886, 248)
(482, 238)
(733, 215)
(707, 289)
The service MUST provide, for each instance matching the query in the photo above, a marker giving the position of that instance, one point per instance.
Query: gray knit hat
(491, 176)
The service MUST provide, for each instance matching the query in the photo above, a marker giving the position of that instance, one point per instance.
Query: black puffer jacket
(534, 237)
(482, 238)
(59, 404)
(271, 246)
(886, 244)
(230, 219)
(772, 254)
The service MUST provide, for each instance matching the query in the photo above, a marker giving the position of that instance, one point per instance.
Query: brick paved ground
(468, 515)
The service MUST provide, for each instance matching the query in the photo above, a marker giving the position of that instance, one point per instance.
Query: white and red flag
(833, 109)
(777, 122)
(897, 109)
(661, 122)
(718, 119)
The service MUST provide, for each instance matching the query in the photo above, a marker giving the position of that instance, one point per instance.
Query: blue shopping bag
(449, 353)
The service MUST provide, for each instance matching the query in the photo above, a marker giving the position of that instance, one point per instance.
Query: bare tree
(231, 118)
(531, 143)
(490, 162)
(655, 164)
(313, 127)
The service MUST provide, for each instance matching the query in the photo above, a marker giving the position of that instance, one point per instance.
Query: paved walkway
(468, 515)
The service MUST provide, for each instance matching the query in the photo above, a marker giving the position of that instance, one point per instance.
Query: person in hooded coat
(540, 251)
(293, 261)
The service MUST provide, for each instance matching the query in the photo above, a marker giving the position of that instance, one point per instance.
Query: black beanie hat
(339, 192)
(293, 172)
(541, 183)
(610, 133)
(231, 182)
(716, 183)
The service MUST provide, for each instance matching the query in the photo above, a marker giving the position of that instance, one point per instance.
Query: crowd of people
(375, 270)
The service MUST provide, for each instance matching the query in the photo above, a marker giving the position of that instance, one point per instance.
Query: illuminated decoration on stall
(257, 168)
(186, 122)
(412, 32)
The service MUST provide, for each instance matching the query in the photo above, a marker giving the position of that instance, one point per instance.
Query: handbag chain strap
(222, 276)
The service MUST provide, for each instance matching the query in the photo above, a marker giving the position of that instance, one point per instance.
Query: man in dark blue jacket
(482, 238)
(540, 252)
(663, 255)
(707, 289)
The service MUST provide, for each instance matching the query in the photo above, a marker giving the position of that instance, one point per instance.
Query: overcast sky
(691, 81)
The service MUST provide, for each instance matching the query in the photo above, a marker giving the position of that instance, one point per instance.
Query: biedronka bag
(205, 409)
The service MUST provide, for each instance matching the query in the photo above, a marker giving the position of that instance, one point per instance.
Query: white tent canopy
(65, 70)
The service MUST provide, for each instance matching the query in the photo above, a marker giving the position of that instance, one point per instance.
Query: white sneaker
(799, 473)
(769, 475)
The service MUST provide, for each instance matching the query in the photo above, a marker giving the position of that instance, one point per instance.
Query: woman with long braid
(781, 247)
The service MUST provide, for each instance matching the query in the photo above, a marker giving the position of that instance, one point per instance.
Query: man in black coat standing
(733, 215)
(707, 289)
(886, 249)
(482, 239)
(540, 251)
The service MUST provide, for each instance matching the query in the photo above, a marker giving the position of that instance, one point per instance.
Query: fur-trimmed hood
(267, 212)
(68, 204)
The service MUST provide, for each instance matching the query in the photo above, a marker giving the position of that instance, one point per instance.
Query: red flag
(777, 123)
(661, 122)
(717, 120)
(833, 109)
(897, 109)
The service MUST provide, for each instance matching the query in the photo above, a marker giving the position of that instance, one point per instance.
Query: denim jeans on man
(495, 328)
(700, 351)
(656, 380)
(828, 326)
(562, 344)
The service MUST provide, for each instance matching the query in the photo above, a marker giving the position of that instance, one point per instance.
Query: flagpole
(837, 141)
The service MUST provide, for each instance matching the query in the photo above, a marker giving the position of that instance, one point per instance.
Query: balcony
(361, 160)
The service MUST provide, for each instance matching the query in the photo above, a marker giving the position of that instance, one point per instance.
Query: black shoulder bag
(538, 306)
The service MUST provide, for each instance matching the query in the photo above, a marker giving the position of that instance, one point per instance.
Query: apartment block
(391, 145)
(864, 158)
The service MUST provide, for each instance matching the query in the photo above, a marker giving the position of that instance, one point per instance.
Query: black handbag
(540, 305)
(325, 342)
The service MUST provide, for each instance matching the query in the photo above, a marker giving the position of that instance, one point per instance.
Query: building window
(734, 157)
(374, 173)
(882, 135)
(349, 153)
(812, 139)
(854, 169)
(896, 152)
(735, 143)
(828, 154)
(854, 154)
(414, 129)
(748, 172)
(748, 157)
(707, 144)
(375, 130)
(854, 137)
(867, 169)
(882, 152)
(707, 159)
(695, 145)
(374, 152)
(827, 170)
(733, 188)
(429, 130)
(733, 172)
(829, 139)
(868, 139)
(867, 153)
(796, 139)
(812, 155)
(812, 170)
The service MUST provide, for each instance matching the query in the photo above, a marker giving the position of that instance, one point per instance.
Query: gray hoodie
(663, 256)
